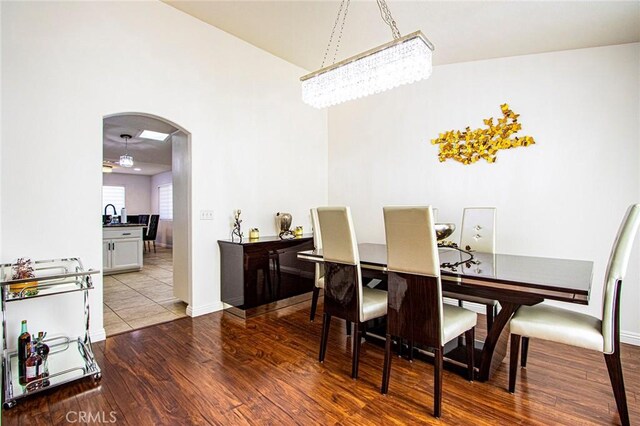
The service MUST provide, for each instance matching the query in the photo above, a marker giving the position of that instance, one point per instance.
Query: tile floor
(138, 299)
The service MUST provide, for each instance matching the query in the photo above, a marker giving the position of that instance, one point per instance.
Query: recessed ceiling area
(298, 31)
(150, 156)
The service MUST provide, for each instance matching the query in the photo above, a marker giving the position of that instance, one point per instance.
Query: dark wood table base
(512, 280)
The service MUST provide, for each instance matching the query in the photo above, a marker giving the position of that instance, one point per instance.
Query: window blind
(113, 195)
(165, 201)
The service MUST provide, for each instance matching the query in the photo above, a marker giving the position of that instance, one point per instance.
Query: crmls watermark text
(89, 417)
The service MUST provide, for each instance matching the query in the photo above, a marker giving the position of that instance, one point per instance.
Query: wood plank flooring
(218, 369)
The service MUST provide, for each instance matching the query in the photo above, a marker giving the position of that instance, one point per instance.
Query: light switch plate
(206, 214)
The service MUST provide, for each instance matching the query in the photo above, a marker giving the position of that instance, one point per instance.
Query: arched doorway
(159, 289)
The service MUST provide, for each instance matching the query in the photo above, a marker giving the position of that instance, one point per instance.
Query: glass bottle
(34, 369)
(24, 346)
(42, 349)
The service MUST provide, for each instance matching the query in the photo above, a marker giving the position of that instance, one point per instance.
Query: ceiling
(298, 31)
(151, 156)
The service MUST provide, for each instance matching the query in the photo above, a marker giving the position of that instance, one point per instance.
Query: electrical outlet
(206, 214)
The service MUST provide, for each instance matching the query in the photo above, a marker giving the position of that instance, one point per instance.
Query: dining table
(512, 280)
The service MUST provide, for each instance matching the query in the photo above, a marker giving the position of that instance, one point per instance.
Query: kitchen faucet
(109, 218)
(115, 212)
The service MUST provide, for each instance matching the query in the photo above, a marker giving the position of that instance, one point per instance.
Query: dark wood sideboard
(265, 274)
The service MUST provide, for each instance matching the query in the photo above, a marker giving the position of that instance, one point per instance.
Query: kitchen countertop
(123, 225)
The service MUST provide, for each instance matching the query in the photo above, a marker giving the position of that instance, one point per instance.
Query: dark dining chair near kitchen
(143, 219)
(152, 231)
(344, 295)
(416, 311)
(580, 330)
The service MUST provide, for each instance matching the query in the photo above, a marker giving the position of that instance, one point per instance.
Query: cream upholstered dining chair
(319, 275)
(584, 331)
(478, 231)
(415, 310)
(344, 295)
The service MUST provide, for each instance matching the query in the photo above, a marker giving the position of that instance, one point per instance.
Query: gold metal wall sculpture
(469, 145)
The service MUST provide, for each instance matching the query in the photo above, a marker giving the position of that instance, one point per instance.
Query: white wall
(137, 191)
(563, 197)
(165, 227)
(65, 65)
(1, 133)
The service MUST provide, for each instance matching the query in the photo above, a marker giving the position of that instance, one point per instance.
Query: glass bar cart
(70, 358)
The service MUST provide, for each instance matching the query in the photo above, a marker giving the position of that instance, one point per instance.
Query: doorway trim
(189, 219)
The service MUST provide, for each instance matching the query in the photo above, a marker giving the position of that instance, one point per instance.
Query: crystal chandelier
(126, 160)
(403, 60)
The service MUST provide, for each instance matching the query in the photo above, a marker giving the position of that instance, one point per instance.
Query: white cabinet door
(106, 255)
(126, 253)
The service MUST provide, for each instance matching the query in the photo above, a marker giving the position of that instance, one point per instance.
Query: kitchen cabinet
(122, 249)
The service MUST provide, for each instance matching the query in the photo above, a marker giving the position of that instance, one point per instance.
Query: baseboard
(204, 309)
(98, 335)
(630, 337)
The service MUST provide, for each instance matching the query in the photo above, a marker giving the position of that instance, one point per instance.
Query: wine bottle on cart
(42, 349)
(34, 369)
(24, 349)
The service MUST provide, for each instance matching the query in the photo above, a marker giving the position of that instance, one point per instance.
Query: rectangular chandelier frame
(375, 70)
(392, 43)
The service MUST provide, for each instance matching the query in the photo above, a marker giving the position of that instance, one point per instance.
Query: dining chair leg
(617, 383)
(357, 336)
(513, 362)
(154, 246)
(386, 370)
(525, 351)
(410, 350)
(437, 378)
(326, 322)
(461, 305)
(470, 338)
(491, 313)
(314, 303)
(348, 328)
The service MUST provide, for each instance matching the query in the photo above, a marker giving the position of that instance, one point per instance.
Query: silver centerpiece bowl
(443, 230)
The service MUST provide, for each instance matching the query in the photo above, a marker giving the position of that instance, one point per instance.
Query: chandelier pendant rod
(335, 25)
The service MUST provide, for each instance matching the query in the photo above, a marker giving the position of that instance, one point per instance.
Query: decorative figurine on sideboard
(283, 221)
(298, 231)
(237, 231)
(254, 234)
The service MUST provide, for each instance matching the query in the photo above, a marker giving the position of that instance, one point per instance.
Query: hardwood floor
(218, 369)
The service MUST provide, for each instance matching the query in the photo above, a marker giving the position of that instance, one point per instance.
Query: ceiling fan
(109, 165)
